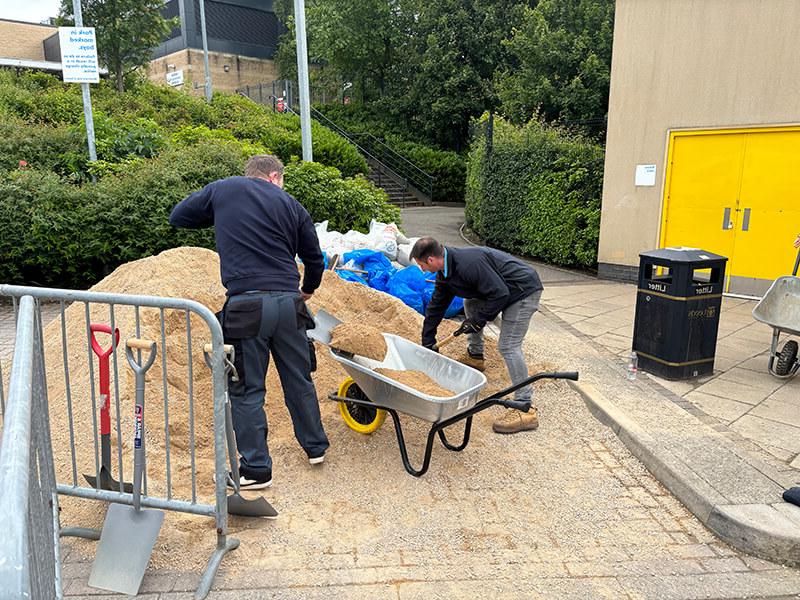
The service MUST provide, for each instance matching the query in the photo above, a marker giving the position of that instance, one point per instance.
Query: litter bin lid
(683, 255)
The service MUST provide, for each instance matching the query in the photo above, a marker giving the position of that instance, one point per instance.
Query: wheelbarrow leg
(426, 461)
(773, 351)
(464, 442)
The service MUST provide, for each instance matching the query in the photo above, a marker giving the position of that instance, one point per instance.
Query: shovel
(106, 480)
(237, 504)
(324, 324)
(129, 533)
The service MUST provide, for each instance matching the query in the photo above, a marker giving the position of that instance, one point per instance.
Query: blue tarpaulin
(409, 284)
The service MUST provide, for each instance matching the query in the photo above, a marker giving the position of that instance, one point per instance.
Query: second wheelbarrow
(780, 309)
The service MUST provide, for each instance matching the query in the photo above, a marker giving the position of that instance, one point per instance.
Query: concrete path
(725, 445)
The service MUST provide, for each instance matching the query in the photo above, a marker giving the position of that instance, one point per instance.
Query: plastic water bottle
(633, 366)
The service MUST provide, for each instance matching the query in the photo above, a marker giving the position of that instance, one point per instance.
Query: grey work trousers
(258, 324)
(516, 319)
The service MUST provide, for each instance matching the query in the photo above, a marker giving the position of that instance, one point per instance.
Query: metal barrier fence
(180, 328)
(29, 565)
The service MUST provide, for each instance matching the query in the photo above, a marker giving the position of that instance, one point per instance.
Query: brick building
(242, 42)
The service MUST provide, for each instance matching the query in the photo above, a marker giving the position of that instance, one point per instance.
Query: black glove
(470, 325)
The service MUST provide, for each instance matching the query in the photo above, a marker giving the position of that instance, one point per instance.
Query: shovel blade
(259, 507)
(126, 543)
(325, 324)
(107, 482)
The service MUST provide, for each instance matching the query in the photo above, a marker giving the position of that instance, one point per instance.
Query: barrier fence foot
(213, 564)
(81, 532)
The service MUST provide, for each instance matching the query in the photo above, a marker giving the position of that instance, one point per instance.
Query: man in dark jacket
(259, 230)
(491, 282)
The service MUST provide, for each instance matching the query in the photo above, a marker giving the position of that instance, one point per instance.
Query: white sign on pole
(78, 55)
(645, 175)
(175, 78)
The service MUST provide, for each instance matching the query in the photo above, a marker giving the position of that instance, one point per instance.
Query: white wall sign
(78, 55)
(175, 78)
(645, 175)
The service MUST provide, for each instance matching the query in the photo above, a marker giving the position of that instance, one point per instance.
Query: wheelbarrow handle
(796, 264)
(573, 375)
(516, 404)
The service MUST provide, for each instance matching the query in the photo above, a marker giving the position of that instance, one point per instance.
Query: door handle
(746, 220)
(726, 219)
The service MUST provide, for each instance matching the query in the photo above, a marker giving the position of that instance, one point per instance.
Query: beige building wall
(680, 64)
(241, 71)
(23, 40)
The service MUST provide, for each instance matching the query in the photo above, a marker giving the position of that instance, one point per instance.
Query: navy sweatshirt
(259, 230)
(478, 273)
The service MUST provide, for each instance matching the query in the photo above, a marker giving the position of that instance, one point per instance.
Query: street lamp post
(302, 75)
(205, 48)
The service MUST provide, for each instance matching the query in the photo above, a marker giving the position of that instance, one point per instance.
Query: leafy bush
(281, 134)
(46, 148)
(346, 203)
(137, 121)
(56, 233)
(537, 192)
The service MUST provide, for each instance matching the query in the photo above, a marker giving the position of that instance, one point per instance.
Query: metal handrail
(396, 155)
(399, 169)
(425, 186)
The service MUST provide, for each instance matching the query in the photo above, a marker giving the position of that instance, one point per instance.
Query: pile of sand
(417, 380)
(191, 273)
(361, 339)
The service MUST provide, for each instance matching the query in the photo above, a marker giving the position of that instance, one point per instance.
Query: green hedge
(345, 203)
(537, 192)
(56, 233)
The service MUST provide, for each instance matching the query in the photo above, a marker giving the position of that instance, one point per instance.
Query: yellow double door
(736, 193)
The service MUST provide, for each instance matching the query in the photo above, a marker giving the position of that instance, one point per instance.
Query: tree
(456, 49)
(560, 64)
(354, 42)
(126, 31)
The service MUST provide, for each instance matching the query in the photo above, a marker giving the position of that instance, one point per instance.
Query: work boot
(475, 361)
(514, 421)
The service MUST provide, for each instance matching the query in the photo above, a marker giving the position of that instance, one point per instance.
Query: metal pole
(87, 98)
(302, 75)
(205, 48)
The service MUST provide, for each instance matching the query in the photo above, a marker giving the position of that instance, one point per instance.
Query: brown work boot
(515, 421)
(475, 361)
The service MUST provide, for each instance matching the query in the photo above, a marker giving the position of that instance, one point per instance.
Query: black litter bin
(677, 311)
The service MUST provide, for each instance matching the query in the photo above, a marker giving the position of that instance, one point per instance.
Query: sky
(33, 11)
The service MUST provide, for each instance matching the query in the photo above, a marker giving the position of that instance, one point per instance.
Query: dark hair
(425, 247)
(263, 164)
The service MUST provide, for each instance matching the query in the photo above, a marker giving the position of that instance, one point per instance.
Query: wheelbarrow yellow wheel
(362, 419)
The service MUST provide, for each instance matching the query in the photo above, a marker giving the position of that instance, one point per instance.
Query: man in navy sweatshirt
(491, 282)
(259, 230)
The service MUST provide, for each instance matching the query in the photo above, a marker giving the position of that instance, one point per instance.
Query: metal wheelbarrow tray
(381, 392)
(780, 309)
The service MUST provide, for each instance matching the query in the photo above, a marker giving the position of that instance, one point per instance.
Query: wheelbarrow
(366, 396)
(780, 309)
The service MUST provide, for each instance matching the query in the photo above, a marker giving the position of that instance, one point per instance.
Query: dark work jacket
(481, 273)
(259, 230)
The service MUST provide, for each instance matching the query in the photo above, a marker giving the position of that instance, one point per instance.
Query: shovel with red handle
(105, 480)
